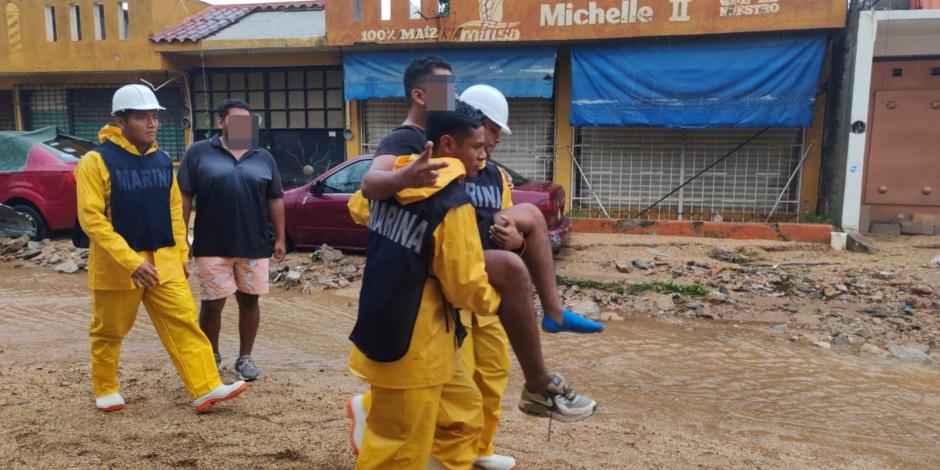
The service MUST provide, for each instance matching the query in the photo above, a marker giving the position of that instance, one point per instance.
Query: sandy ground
(673, 392)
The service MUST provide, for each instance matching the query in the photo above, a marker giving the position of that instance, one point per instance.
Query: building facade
(62, 61)
(620, 102)
(883, 135)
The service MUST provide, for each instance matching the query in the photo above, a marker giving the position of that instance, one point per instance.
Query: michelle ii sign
(352, 22)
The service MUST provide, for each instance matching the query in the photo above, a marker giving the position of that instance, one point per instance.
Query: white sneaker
(109, 403)
(495, 462)
(357, 421)
(221, 393)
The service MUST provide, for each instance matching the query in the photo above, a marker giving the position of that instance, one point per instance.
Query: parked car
(316, 212)
(37, 177)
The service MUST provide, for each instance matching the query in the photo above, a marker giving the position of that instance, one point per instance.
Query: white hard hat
(136, 97)
(490, 102)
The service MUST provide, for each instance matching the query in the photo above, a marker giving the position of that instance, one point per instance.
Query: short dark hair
(418, 71)
(459, 123)
(230, 103)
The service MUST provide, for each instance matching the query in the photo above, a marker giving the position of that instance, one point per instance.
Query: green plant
(816, 219)
(665, 287)
(669, 287)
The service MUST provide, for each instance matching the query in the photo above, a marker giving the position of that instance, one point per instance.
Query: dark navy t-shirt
(404, 140)
(231, 199)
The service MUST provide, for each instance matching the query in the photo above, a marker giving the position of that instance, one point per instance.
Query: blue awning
(741, 81)
(517, 72)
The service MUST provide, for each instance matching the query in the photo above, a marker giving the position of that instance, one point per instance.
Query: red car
(37, 179)
(316, 212)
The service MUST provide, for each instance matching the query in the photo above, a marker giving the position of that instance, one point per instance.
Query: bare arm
(382, 181)
(187, 211)
(276, 208)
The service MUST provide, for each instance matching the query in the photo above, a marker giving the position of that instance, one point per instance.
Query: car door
(325, 216)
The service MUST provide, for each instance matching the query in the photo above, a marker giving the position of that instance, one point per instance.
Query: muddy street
(676, 388)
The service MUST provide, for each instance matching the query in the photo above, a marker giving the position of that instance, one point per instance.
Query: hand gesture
(421, 172)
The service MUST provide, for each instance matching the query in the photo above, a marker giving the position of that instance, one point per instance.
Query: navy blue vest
(140, 196)
(486, 191)
(398, 263)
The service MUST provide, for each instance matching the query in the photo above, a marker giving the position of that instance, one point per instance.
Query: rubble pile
(325, 268)
(59, 255)
(813, 301)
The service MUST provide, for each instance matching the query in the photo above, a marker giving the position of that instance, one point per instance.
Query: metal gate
(627, 169)
(302, 110)
(7, 115)
(530, 150)
(82, 110)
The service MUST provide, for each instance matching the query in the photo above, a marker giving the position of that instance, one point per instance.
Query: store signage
(485, 21)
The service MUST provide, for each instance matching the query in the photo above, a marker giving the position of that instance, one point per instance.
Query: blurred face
(493, 135)
(139, 127)
(431, 93)
(236, 127)
(471, 151)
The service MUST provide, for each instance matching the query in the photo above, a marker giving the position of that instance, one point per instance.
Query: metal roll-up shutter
(530, 150)
(7, 114)
(627, 169)
(379, 117)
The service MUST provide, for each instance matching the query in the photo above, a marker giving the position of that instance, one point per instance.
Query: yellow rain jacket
(111, 260)
(457, 264)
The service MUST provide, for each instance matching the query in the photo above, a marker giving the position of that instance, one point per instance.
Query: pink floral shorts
(221, 277)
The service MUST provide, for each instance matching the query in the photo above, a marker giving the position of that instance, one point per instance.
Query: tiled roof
(218, 17)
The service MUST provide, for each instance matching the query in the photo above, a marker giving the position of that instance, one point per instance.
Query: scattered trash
(14, 224)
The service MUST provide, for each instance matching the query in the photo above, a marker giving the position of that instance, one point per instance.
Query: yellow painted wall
(37, 55)
(564, 133)
(189, 62)
(354, 145)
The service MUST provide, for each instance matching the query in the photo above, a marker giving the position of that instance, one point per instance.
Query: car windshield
(69, 149)
(517, 179)
(347, 180)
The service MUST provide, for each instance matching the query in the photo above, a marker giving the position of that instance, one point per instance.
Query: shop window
(124, 20)
(386, 10)
(50, 24)
(75, 15)
(100, 33)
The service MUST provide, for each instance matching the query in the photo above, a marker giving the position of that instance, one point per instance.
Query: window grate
(630, 168)
(7, 113)
(297, 98)
(530, 150)
(82, 110)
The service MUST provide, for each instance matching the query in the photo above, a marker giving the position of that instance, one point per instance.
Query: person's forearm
(187, 209)
(276, 207)
(379, 185)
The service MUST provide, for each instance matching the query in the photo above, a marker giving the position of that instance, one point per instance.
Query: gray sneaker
(246, 369)
(218, 361)
(557, 401)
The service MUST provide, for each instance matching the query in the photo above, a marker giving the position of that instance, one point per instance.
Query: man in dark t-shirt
(238, 192)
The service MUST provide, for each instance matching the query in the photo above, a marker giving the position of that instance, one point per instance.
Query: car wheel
(39, 223)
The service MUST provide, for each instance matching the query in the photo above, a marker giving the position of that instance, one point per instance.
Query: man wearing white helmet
(130, 207)
(521, 228)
